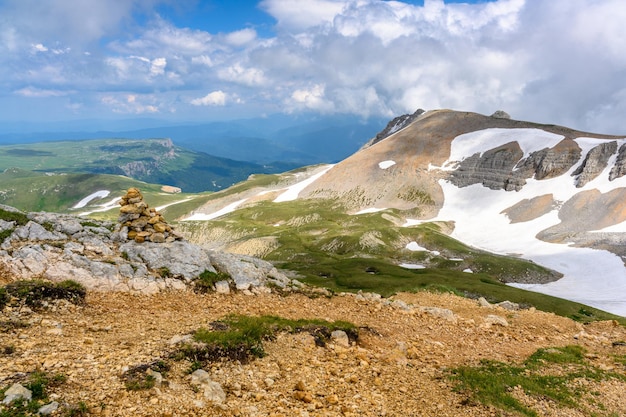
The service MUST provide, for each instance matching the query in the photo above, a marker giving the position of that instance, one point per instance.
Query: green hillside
(324, 246)
(150, 160)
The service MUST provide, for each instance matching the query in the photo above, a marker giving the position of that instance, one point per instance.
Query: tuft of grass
(547, 373)
(238, 337)
(18, 217)
(35, 292)
(164, 272)
(137, 378)
(38, 383)
(205, 282)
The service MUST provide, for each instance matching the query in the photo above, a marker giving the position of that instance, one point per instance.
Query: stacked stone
(144, 224)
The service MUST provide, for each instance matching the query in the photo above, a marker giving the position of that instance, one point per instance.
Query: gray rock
(212, 390)
(501, 114)
(247, 271)
(493, 169)
(595, 162)
(48, 409)
(619, 169)
(4, 225)
(439, 312)
(340, 338)
(508, 305)
(222, 287)
(35, 231)
(492, 319)
(16, 392)
(180, 258)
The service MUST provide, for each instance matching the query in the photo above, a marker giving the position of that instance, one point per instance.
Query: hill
(544, 193)
(156, 161)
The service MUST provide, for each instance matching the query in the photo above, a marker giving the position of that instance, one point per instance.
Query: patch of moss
(239, 337)
(35, 292)
(205, 282)
(137, 377)
(547, 373)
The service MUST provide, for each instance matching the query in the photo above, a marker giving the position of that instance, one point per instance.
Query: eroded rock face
(595, 162)
(99, 255)
(493, 169)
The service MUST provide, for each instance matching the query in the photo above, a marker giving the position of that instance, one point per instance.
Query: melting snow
(413, 246)
(98, 194)
(593, 277)
(228, 209)
(386, 164)
(412, 266)
(370, 210)
(292, 192)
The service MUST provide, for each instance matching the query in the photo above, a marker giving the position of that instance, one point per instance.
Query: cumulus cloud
(557, 61)
(214, 98)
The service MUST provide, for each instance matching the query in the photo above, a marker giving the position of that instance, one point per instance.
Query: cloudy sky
(551, 61)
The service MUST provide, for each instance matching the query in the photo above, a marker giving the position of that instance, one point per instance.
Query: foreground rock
(99, 255)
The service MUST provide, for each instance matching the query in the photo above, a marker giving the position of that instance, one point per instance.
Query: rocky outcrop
(550, 162)
(595, 162)
(395, 125)
(493, 169)
(99, 255)
(619, 169)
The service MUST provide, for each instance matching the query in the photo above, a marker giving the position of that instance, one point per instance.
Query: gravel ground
(398, 368)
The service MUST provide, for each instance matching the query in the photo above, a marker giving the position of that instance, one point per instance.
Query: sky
(556, 61)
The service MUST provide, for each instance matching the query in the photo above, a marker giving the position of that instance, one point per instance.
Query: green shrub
(239, 337)
(35, 292)
(137, 378)
(11, 216)
(548, 373)
(205, 282)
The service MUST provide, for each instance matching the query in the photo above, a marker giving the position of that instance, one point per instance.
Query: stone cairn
(144, 224)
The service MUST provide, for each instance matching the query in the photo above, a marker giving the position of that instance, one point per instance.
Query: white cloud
(557, 61)
(130, 104)
(241, 37)
(39, 48)
(239, 74)
(215, 98)
(312, 98)
(39, 93)
(303, 14)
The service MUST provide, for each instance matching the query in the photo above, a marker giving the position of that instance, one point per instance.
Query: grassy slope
(349, 253)
(152, 161)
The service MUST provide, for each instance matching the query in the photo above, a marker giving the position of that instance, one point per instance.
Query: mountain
(545, 193)
(150, 160)
(289, 140)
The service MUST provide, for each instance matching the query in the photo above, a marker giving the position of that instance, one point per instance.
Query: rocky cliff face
(99, 255)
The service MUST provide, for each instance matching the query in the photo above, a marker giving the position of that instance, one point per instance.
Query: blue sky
(557, 61)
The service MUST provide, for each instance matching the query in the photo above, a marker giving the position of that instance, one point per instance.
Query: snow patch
(414, 246)
(292, 192)
(386, 164)
(412, 266)
(228, 209)
(370, 210)
(98, 194)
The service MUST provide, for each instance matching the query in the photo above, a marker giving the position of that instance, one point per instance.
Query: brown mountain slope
(409, 184)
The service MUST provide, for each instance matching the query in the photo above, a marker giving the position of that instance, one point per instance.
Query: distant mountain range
(277, 139)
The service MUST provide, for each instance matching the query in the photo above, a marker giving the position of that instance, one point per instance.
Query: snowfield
(593, 277)
(98, 194)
